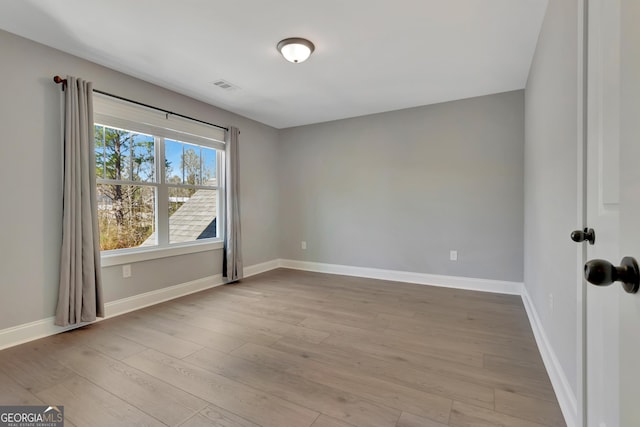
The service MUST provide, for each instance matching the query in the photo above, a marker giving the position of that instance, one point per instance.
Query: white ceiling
(371, 55)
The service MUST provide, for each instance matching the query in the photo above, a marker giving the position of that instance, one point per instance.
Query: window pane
(189, 163)
(124, 155)
(173, 156)
(142, 158)
(192, 214)
(126, 215)
(99, 147)
(209, 166)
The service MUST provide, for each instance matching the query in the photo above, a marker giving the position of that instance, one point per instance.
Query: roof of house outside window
(194, 220)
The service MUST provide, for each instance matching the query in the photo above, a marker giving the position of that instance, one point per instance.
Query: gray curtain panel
(80, 293)
(232, 257)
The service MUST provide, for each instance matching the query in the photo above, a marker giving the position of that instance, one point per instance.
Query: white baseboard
(252, 270)
(564, 393)
(566, 398)
(26, 332)
(45, 327)
(136, 302)
(485, 285)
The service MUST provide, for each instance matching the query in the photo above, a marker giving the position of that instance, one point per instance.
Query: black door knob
(602, 273)
(587, 234)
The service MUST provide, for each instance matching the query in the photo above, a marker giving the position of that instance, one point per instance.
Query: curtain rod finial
(59, 80)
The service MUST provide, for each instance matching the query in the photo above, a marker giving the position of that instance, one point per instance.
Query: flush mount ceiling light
(296, 49)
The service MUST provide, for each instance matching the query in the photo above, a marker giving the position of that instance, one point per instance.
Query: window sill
(111, 259)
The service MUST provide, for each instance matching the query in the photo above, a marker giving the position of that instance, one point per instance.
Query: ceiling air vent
(224, 85)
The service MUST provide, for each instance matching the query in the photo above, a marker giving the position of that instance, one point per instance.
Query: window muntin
(175, 199)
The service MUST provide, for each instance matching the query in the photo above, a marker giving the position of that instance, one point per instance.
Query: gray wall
(31, 176)
(398, 190)
(551, 181)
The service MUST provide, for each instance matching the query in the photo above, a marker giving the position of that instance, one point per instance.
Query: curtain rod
(59, 80)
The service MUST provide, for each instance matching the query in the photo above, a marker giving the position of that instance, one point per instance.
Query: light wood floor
(295, 349)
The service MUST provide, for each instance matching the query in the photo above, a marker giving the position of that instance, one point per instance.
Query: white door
(603, 205)
(613, 205)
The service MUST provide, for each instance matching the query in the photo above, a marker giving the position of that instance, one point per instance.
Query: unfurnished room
(356, 213)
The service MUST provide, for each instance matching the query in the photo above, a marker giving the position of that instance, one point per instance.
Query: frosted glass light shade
(296, 49)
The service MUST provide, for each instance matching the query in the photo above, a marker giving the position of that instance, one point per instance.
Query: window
(157, 179)
(192, 191)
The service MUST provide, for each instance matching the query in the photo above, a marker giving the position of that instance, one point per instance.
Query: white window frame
(118, 114)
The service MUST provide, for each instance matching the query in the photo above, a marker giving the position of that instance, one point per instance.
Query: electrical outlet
(303, 245)
(453, 255)
(126, 271)
(551, 303)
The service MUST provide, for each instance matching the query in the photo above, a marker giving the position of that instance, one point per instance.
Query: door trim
(581, 250)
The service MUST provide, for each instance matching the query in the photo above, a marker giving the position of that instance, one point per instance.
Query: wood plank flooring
(296, 349)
